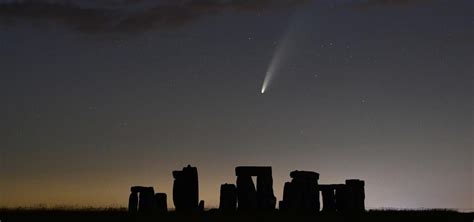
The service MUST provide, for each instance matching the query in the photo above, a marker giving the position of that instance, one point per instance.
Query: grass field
(118, 214)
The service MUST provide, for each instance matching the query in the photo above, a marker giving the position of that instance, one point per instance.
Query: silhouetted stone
(246, 193)
(357, 194)
(146, 200)
(288, 197)
(186, 189)
(161, 203)
(228, 197)
(133, 202)
(302, 193)
(350, 196)
(201, 206)
(344, 200)
(329, 197)
(265, 198)
(308, 175)
(248, 197)
(143, 197)
(138, 189)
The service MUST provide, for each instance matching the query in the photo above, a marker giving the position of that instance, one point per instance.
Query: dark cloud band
(129, 15)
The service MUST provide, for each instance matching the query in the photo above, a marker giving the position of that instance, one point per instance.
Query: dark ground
(92, 215)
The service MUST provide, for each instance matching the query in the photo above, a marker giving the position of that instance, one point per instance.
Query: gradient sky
(100, 95)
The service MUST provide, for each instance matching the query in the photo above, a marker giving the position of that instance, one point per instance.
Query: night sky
(100, 95)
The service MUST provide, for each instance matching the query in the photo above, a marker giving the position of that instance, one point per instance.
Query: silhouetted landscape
(243, 202)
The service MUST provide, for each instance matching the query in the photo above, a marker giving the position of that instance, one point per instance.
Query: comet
(276, 62)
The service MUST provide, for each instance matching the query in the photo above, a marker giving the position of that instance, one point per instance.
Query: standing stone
(329, 197)
(133, 202)
(228, 197)
(302, 193)
(186, 189)
(141, 199)
(266, 200)
(357, 194)
(161, 202)
(288, 197)
(343, 198)
(201, 206)
(146, 200)
(249, 197)
(246, 193)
